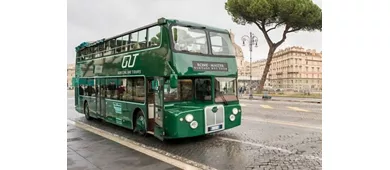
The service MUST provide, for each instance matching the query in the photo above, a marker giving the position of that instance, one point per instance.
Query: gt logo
(128, 61)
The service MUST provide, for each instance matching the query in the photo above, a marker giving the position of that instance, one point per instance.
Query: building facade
(296, 68)
(70, 72)
(291, 68)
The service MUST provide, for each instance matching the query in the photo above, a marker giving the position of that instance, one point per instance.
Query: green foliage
(294, 14)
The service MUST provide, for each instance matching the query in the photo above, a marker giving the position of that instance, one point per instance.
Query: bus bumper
(177, 126)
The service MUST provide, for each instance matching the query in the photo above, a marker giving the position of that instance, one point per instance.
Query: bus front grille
(214, 118)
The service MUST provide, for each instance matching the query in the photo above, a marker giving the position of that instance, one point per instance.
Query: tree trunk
(266, 68)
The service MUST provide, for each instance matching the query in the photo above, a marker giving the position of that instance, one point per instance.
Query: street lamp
(252, 39)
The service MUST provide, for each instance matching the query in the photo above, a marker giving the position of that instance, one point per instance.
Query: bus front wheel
(86, 111)
(140, 124)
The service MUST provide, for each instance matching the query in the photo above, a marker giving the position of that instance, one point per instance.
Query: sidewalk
(87, 151)
(285, 99)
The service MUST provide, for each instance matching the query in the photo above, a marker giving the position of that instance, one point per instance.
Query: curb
(301, 101)
(159, 154)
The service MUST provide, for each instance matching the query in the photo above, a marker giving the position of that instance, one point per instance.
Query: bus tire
(86, 111)
(140, 123)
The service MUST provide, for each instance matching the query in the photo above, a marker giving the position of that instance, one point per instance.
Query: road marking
(164, 156)
(266, 106)
(243, 105)
(297, 109)
(280, 122)
(270, 148)
(71, 122)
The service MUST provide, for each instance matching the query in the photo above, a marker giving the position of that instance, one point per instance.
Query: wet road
(273, 135)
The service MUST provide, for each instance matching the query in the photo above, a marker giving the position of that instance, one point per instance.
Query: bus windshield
(185, 91)
(225, 89)
(195, 40)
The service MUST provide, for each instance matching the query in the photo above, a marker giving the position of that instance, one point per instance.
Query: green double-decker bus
(172, 79)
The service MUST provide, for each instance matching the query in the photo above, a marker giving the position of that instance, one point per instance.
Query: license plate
(213, 128)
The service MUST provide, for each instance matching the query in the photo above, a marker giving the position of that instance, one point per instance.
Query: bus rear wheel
(86, 111)
(140, 124)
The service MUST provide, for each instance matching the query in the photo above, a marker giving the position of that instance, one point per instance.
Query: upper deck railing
(115, 50)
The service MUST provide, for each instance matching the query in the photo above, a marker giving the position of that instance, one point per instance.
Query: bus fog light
(232, 117)
(235, 111)
(189, 118)
(194, 124)
(181, 119)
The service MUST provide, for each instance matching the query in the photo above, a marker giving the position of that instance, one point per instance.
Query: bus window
(112, 45)
(189, 40)
(225, 89)
(134, 41)
(203, 89)
(125, 41)
(221, 44)
(81, 90)
(142, 39)
(90, 90)
(154, 36)
(170, 94)
(139, 89)
(103, 88)
(128, 89)
(112, 88)
(182, 93)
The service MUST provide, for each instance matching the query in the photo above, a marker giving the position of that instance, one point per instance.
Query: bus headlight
(194, 124)
(189, 118)
(232, 117)
(235, 111)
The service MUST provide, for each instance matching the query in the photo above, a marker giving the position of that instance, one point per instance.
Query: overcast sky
(90, 20)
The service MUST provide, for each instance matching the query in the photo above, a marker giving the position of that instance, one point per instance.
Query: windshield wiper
(223, 98)
(191, 52)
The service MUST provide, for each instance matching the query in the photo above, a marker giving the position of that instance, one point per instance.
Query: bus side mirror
(155, 85)
(173, 81)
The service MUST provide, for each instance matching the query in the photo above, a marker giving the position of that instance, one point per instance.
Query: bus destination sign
(209, 66)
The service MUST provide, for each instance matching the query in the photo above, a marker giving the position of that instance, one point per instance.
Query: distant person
(240, 91)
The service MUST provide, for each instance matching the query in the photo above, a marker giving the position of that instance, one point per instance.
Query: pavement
(88, 151)
(273, 135)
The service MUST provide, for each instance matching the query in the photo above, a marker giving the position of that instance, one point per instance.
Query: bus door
(75, 84)
(101, 96)
(158, 87)
(92, 93)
